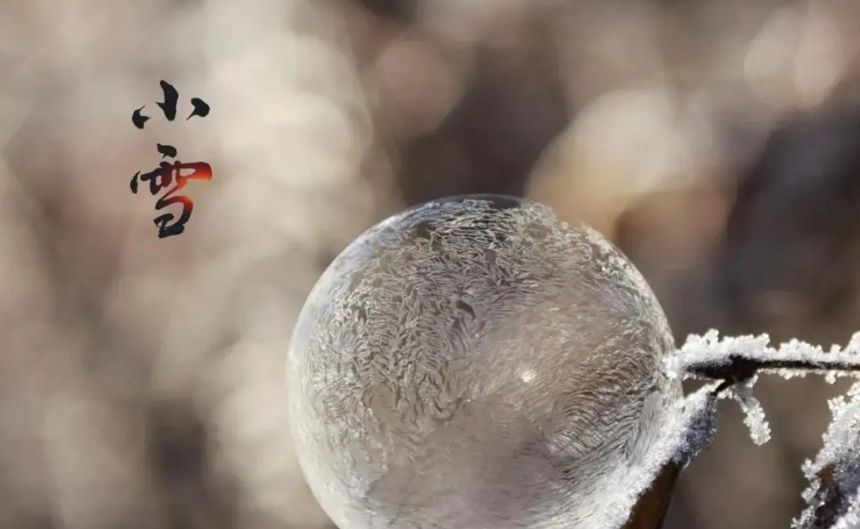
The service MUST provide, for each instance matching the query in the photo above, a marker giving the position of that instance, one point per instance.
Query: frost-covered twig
(649, 487)
(736, 359)
(834, 492)
(834, 475)
(754, 416)
(737, 362)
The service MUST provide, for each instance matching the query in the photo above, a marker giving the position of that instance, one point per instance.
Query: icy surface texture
(477, 363)
(689, 427)
(741, 359)
(834, 475)
(791, 359)
(833, 496)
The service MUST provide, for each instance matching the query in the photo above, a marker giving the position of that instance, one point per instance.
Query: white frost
(687, 430)
(833, 496)
(710, 351)
(754, 416)
(835, 472)
(705, 356)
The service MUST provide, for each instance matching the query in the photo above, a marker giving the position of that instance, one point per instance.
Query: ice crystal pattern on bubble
(476, 362)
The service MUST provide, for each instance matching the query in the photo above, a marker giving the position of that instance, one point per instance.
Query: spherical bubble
(476, 363)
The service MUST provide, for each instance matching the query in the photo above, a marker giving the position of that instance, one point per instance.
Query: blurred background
(717, 142)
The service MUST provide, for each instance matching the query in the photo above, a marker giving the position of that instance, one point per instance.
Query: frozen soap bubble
(476, 363)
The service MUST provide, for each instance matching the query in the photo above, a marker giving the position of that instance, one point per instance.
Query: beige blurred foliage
(142, 379)
(101, 319)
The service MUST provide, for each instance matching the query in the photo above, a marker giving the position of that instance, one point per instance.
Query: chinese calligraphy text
(171, 176)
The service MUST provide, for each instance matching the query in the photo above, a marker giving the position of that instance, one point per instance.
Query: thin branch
(834, 492)
(738, 359)
(740, 369)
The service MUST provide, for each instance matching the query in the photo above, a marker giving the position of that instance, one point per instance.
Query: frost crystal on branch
(739, 358)
(834, 492)
(834, 475)
(754, 416)
(687, 430)
(738, 361)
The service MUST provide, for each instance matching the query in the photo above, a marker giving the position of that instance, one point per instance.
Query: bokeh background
(717, 142)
